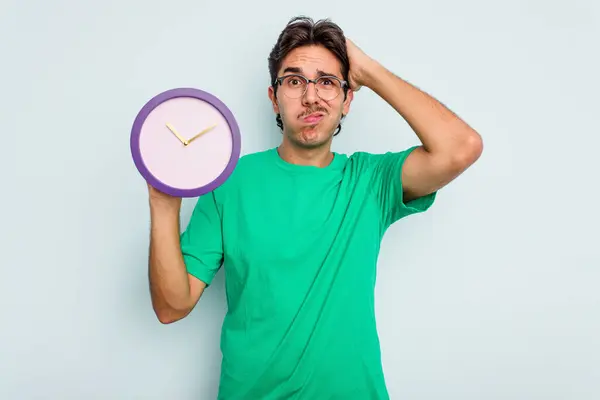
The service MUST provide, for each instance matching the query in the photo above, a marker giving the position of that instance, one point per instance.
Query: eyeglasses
(294, 86)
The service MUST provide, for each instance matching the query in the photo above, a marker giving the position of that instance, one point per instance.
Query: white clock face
(185, 143)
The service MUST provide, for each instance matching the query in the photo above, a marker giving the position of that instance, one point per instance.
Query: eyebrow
(297, 70)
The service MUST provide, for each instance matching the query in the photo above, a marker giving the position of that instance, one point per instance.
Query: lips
(313, 118)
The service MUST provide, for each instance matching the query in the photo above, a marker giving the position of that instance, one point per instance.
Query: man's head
(309, 113)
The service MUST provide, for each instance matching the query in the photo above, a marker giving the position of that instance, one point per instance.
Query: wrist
(165, 209)
(370, 73)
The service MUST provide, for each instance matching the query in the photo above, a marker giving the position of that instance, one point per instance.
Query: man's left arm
(449, 145)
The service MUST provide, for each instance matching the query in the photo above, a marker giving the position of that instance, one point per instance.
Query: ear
(271, 93)
(347, 101)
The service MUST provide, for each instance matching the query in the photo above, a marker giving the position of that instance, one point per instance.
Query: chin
(310, 138)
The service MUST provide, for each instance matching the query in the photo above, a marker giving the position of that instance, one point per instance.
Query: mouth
(313, 118)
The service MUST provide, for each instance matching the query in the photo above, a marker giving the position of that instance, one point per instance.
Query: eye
(293, 81)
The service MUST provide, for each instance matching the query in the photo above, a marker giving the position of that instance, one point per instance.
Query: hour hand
(200, 134)
(175, 133)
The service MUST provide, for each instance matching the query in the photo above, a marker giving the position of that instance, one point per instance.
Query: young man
(298, 227)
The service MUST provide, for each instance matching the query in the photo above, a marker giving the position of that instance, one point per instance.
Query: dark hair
(303, 31)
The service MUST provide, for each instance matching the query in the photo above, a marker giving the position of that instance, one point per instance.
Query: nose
(310, 94)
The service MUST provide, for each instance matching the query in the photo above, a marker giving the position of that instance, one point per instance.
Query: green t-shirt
(299, 247)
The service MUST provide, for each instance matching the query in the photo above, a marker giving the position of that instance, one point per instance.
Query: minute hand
(199, 134)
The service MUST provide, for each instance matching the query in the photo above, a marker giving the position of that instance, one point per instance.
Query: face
(310, 121)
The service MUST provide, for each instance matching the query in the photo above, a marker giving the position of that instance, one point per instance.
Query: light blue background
(492, 294)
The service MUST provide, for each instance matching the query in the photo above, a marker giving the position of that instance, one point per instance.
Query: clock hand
(200, 134)
(175, 133)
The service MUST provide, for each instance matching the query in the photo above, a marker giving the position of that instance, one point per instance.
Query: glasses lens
(293, 86)
(328, 88)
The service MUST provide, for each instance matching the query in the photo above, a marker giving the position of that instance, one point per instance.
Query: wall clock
(185, 142)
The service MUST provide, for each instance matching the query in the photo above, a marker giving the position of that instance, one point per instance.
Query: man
(298, 227)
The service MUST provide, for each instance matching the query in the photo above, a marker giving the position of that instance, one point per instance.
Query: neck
(318, 156)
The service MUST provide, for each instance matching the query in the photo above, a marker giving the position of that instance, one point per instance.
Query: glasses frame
(343, 84)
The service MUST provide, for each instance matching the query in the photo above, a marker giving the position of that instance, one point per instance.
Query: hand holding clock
(163, 202)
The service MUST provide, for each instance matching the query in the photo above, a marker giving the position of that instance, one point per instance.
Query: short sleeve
(386, 182)
(201, 242)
